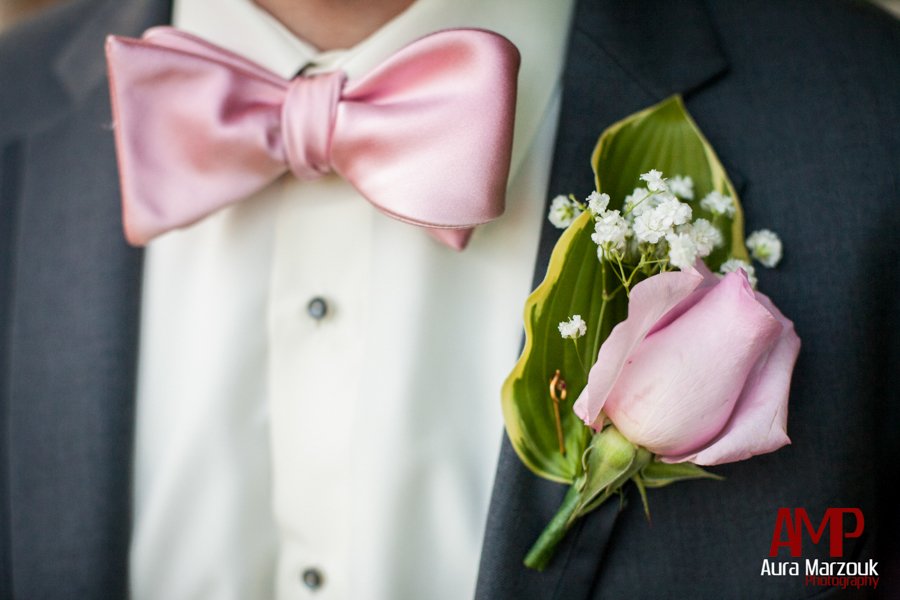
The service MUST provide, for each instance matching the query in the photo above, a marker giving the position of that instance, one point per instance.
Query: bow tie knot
(425, 137)
(307, 121)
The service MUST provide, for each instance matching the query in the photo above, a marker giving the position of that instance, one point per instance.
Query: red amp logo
(789, 530)
(793, 525)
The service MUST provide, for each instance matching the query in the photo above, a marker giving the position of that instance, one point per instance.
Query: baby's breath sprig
(655, 230)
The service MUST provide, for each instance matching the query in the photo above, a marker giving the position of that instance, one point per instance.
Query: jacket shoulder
(859, 28)
(857, 32)
(834, 56)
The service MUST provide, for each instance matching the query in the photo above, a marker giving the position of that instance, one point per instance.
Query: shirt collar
(538, 28)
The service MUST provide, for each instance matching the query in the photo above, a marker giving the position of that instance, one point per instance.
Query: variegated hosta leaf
(662, 137)
(573, 285)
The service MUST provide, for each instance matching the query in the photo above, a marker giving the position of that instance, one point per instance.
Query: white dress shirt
(275, 450)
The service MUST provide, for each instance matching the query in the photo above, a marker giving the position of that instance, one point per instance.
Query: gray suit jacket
(802, 101)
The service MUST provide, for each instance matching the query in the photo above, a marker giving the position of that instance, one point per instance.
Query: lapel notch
(666, 47)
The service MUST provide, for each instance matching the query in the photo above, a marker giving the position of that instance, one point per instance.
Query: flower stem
(540, 554)
(604, 300)
(585, 368)
(621, 275)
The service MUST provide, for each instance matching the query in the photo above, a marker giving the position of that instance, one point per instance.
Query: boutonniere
(648, 351)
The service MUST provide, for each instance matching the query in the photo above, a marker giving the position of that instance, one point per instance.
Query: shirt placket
(317, 297)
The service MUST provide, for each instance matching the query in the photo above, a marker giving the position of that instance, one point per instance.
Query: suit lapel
(622, 57)
(72, 332)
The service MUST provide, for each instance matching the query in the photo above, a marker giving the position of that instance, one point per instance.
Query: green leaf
(665, 137)
(573, 285)
(659, 474)
(662, 137)
(642, 490)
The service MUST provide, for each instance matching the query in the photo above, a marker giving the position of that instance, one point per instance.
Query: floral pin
(648, 351)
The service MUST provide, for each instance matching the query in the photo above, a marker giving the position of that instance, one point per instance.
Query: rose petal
(650, 300)
(759, 422)
(709, 280)
(679, 388)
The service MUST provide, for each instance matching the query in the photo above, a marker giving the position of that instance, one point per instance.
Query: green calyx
(610, 462)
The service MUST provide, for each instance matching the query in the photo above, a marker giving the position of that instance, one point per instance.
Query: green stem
(540, 554)
(622, 277)
(604, 300)
(585, 368)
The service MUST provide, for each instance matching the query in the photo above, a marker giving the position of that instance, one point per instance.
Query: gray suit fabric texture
(801, 100)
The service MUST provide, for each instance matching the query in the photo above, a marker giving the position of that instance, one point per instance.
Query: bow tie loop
(307, 122)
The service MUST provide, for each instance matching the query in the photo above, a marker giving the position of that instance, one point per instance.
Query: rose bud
(699, 371)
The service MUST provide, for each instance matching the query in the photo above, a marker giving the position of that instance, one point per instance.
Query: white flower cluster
(656, 222)
(655, 181)
(574, 328)
(718, 204)
(563, 211)
(610, 233)
(597, 202)
(683, 187)
(654, 216)
(764, 246)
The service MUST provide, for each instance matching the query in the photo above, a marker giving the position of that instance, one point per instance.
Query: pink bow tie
(425, 137)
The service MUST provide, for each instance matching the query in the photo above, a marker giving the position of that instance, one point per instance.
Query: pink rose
(699, 371)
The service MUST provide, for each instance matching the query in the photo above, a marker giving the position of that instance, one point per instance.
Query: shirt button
(312, 578)
(317, 308)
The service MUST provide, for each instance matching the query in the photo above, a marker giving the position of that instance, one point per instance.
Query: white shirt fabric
(363, 444)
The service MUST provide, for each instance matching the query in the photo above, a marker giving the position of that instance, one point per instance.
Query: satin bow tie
(425, 137)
